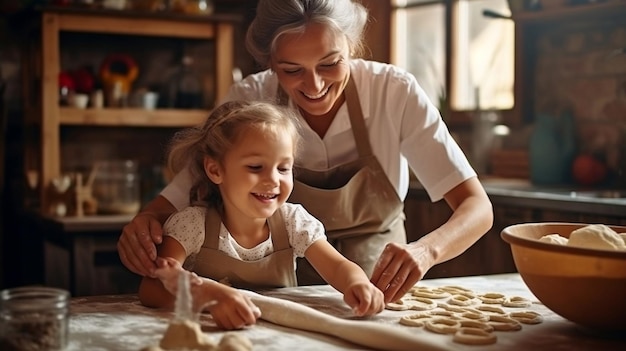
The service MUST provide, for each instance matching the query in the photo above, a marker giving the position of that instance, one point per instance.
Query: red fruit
(84, 80)
(66, 81)
(588, 170)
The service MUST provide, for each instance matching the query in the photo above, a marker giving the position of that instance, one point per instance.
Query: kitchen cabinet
(46, 120)
(532, 25)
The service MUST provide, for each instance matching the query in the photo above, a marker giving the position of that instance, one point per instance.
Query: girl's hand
(365, 299)
(168, 270)
(231, 309)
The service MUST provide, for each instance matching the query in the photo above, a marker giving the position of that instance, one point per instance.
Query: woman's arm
(401, 266)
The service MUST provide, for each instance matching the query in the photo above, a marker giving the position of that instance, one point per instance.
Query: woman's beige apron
(273, 271)
(356, 202)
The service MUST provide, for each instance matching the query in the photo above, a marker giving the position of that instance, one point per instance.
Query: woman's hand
(136, 246)
(365, 299)
(398, 269)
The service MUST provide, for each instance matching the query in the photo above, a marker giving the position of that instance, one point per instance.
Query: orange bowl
(585, 286)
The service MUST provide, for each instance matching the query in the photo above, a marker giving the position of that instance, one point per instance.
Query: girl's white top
(188, 228)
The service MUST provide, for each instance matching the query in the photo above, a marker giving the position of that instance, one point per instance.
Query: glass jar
(186, 86)
(34, 319)
(116, 187)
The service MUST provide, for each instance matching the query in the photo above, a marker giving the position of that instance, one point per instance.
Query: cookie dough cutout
(491, 298)
(451, 308)
(501, 323)
(596, 236)
(491, 309)
(475, 316)
(461, 300)
(444, 313)
(429, 293)
(455, 289)
(526, 317)
(442, 325)
(412, 303)
(415, 320)
(517, 302)
(399, 305)
(474, 336)
(475, 324)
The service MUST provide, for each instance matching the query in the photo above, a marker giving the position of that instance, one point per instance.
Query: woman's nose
(314, 81)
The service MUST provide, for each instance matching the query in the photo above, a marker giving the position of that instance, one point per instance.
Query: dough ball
(235, 342)
(186, 334)
(596, 236)
(554, 239)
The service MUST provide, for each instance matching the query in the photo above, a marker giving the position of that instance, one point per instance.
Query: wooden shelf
(573, 12)
(131, 117)
(45, 118)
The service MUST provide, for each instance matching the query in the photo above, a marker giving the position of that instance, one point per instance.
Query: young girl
(239, 229)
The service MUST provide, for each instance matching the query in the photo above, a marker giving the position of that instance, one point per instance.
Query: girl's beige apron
(356, 202)
(273, 271)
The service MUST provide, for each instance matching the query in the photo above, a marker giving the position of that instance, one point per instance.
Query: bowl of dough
(577, 270)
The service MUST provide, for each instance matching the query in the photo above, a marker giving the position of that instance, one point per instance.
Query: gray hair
(217, 135)
(277, 17)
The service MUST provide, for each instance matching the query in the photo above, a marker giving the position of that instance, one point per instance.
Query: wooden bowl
(585, 286)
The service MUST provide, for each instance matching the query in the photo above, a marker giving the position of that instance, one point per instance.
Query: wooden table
(120, 322)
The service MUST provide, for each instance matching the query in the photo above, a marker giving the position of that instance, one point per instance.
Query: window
(480, 59)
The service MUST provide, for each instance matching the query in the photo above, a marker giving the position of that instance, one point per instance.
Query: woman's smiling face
(312, 67)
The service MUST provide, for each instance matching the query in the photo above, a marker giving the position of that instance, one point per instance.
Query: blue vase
(552, 149)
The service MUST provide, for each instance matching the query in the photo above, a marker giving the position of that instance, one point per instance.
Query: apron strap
(278, 231)
(359, 131)
(356, 120)
(213, 221)
(212, 225)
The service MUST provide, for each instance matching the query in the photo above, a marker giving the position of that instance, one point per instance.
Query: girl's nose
(271, 178)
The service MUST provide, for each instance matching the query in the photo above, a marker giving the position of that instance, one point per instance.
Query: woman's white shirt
(188, 228)
(404, 128)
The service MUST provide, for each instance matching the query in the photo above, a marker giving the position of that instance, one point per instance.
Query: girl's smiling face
(255, 177)
(312, 67)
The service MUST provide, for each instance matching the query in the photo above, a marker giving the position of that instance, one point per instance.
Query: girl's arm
(229, 307)
(347, 277)
(152, 292)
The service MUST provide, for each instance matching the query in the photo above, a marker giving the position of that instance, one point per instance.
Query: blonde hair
(277, 17)
(217, 135)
